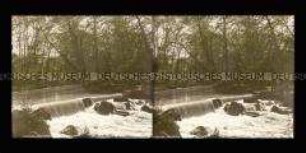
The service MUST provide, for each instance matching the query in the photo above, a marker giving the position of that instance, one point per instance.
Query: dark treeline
(177, 44)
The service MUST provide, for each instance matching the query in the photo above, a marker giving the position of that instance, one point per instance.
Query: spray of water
(137, 125)
(268, 125)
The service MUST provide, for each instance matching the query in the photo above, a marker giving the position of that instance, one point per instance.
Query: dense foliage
(177, 44)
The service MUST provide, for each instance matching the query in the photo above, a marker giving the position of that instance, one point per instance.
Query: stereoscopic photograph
(153, 76)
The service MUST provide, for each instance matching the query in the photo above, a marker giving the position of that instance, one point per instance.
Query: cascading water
(197, 113)
(62, 108)
(137, 125)
(193, 109)
(268, 125)
(69, 107)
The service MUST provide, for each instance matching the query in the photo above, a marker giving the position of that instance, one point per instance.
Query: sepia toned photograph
(148, 76)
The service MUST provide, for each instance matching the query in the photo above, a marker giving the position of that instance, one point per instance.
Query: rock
(129, 105)
(104, 108)
(260, 106)
(217, 103)
(279, 110)
(122, 113)
(234, 108)
(215, 134)
(42, 113)
(252, 114)
(27, 123)
(165, 124)
(147, 108)
(199, 131)
(70, 130)
(173, 114)
(34, 133)
(275, 109)
(85, 134)
(87, 102)
(203, 132)
(140, 102)
(270, 103)
(120, 99)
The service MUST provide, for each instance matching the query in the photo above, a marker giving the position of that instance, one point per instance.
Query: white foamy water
(137, 125)
(269, 125)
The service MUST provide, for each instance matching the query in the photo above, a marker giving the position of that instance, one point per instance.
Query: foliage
(128, 44)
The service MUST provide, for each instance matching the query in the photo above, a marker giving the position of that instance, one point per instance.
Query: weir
(62, 108)
(201, 107)
(68, 107)
(194, 109)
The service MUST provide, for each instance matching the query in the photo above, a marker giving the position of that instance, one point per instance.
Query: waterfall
(62, 108)
(72, 106)
(194, 109)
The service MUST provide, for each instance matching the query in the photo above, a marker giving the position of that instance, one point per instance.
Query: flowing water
(137, 125)
(200, 112)
(269, 125)
(66, 107)
(197, 110)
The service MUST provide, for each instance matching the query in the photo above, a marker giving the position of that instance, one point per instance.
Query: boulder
(260, 106)
(27, 123)
(34, 133)
(147, 108)
(104, 108)
(120, 99)
(85, 134)
(234, 108)
(129, 105)
(215, 134)
(122, 113)
(172, 114)
(252, 114)
(87, 102)
(217, 103)
(204, 132)
(70, 130)
(280, 110)
(270, 103)
(140, 102)
(165, 124)
(42, 113)
(200, 131)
